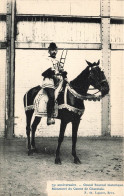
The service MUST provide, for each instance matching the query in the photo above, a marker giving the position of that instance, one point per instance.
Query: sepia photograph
(61, 97)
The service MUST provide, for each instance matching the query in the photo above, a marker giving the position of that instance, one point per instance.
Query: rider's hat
(52, 46)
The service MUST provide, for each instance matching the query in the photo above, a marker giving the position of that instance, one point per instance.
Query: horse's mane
(80, 83)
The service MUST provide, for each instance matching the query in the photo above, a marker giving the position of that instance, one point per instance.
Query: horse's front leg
(60, 140)
(34, 127)
(75, 125)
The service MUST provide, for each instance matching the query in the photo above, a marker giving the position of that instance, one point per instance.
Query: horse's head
(97, 78)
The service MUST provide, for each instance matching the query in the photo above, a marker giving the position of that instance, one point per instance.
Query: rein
(78, 96)
(89, 96)
(82, 97)
(93, 96)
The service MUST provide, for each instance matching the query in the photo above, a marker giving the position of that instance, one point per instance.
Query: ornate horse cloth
(40, 104)
(41, 99)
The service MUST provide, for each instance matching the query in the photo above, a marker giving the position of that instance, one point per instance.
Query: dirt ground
(20, 174)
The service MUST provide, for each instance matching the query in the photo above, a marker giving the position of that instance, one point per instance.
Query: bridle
(90, 77)
(78, 88)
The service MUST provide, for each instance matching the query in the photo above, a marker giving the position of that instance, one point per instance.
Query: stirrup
(50, 121)
(53, 121)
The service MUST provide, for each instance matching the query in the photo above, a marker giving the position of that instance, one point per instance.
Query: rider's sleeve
(49, 73)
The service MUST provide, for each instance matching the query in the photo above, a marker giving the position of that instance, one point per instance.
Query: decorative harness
(66, 106)
(78, 96)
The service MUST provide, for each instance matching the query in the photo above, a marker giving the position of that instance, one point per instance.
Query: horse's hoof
(77, 160)
(30, 152)
(58, 161)
(34, 149)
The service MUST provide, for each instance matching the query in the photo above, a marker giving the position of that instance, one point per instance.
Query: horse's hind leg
(60, 140)
(75, 125)
(29, 114)
(34, 127)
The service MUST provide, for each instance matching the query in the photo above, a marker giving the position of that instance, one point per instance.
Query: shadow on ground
(102, 160)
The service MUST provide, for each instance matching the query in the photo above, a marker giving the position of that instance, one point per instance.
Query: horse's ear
(98, 62)
(90, 64)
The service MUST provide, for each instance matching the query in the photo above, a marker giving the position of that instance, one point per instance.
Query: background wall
(80, 23)
(59, 7)
(117, 93)
(2, 69)
(2, 91)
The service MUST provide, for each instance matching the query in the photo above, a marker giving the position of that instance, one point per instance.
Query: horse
(70, 105)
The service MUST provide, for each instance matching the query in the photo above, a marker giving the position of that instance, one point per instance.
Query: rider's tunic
(54, 65)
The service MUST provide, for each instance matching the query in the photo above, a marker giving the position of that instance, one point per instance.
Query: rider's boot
(50, 112)
(50, 106)
(50, 121)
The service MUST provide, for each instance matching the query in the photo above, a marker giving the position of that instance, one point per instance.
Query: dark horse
(70, 105)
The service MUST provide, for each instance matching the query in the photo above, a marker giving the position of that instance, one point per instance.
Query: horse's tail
(29, 97)
(25, 99)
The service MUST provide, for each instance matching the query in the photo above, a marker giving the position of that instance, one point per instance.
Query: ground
(102, 160)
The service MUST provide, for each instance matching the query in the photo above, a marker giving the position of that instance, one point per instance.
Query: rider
(51, 78)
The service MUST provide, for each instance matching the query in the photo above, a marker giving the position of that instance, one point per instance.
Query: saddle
(41, 99)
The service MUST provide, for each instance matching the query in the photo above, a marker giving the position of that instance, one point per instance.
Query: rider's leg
(50, 104)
